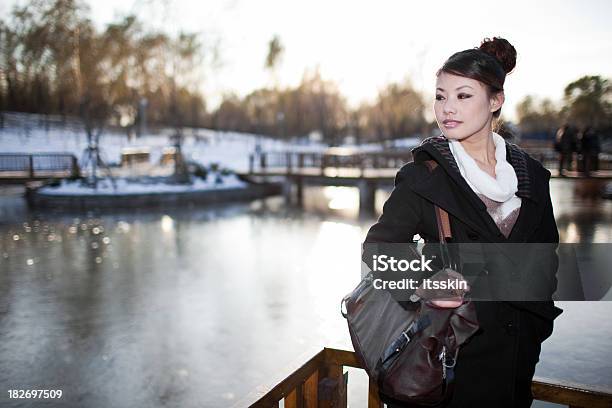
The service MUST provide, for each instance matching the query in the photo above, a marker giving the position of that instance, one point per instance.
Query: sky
(363, 45)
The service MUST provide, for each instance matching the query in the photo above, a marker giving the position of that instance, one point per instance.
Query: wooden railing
(38, 165)
(321, 383)
(293, 161)
(299, 160)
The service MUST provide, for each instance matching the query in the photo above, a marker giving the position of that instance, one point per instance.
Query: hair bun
(502, 50)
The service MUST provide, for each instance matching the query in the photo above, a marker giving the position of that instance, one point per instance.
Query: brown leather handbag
(409, 352)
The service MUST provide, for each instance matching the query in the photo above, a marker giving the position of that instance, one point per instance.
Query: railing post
(373, 397)
(295, 399)
(299, 182)
(31, 164)
(367, 197)
(288, 190)
(311, 391)
(361, 165)
(251, 163)
(75, 171)
(323, 156)
(288, 159)
(332, 387)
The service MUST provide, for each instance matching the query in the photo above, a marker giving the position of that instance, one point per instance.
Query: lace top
(505, 222)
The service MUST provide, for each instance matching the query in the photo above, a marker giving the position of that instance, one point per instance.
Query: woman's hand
(445, 289)
(446, 304)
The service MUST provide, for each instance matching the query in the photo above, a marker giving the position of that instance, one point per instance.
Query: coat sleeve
(400, 220)
(550, 235)
(401, 216)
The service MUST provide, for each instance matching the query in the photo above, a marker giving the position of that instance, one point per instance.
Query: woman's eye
(464, 96)
(439, 97)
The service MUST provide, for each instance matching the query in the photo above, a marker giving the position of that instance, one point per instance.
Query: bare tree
(537, 115)
(588, 101)
(275, 53)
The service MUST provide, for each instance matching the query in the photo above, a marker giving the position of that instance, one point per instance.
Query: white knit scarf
(502, 188)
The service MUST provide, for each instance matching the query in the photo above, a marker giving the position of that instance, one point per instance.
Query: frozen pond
(198, 307)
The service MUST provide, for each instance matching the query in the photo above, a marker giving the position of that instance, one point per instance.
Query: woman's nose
(449, 107)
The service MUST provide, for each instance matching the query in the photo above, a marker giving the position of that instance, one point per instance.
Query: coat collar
(438, 148)
(435, 188)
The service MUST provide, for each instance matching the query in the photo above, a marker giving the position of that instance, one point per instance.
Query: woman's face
(463, 106)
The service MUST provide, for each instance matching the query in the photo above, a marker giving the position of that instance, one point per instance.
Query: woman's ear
(497, 100)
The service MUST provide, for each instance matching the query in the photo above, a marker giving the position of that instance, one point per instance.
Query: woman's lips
(450, 124)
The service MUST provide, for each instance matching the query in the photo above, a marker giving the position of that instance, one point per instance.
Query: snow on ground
(28, 133)
(24, 133)
(125, 187)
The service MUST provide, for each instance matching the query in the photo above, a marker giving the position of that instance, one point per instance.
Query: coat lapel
(459, 199)
(530, 212)
(438, 190)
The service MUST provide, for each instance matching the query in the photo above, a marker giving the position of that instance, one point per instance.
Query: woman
(494, 193)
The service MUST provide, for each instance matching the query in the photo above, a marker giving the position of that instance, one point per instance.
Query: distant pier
(367, 171)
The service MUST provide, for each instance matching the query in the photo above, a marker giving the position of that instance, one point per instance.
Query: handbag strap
(443, 224)
(444, 230)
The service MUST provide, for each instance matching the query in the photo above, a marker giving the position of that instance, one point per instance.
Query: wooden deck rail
(385, 159)
(321, 383)
(322, 160)
(38, 165)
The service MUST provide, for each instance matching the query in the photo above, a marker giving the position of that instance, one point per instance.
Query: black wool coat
(496, 366)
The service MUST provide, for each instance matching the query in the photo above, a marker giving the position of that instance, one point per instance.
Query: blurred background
(291, 108)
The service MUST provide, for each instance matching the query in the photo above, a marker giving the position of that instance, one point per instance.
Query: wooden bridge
(321, 382)
(367, 171)
(335, 167)
(24, 167)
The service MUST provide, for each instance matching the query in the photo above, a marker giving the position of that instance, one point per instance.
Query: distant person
(256, 157)
(589, 150)
(565, 145)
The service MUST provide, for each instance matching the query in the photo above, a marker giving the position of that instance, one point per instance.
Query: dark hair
(489, 64)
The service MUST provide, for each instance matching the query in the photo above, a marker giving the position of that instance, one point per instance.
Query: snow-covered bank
(71, 196)
(26, 134)
(125, 187)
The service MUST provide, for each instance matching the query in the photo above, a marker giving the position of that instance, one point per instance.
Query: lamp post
(142, 116)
